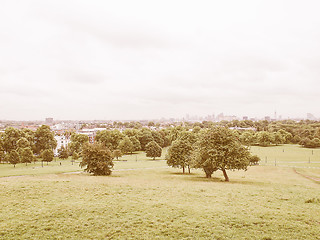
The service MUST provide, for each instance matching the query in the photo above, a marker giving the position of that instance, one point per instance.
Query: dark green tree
(153, 150)
(179, 154)
(125, 145)
(97, 159)
(63, 153)
(26, 155)
(44, 139)
(219, 149)
(12, 157)
(47, 155)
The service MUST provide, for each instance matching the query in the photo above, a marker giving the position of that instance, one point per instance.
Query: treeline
(24, 146)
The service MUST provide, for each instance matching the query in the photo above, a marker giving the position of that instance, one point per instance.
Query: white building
(61, 141)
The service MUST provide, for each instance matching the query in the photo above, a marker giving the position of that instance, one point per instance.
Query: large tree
(153, 150)
(108, 138)
(219, 149)
(10, 138)
(97, 159)
(44, 139)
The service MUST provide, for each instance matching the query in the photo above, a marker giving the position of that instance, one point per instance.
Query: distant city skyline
(114, 60)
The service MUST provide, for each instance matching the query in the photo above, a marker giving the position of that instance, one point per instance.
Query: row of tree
(25, 145)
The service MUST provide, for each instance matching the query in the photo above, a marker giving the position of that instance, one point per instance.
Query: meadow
(144, 199)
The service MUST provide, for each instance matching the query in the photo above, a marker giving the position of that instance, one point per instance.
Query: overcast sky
(147, 59)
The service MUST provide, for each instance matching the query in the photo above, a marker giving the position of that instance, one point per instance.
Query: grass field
(143, 199)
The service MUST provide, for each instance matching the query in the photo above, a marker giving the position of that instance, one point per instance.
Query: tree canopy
(97, 159)
(219, 149)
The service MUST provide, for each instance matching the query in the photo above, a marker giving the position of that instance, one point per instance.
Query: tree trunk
(183, 169)
(154, 158)
(225, 175)
(208, 175)
(189, 169)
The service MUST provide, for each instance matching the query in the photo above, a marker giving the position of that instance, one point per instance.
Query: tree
(44, 139)
(97, 159)
(23, 143)
(77, 141)
(265, 138)
(153, 150)
(247, 138)
(26, 155)
(47, 155)
(110, 139)
(219, 149)
(179, 154)
(10, 139)
(63, 153)
(125, 145)
(13, 157)
(144, 137)
(116, 153)
(136, 143)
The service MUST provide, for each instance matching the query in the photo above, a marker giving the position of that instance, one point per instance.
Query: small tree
(47, 155)
(117, 153)
(179, 154)
(63, 153)
(126, 146)
(13, 157)
(97, 159)
(254, 160)
(153, 150)
(26, 155)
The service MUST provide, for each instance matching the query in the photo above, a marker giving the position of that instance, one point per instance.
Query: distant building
(61, 141)
(267, 118)
(245, 118)
(49, 121)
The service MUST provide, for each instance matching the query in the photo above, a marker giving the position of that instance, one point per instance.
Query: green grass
(153, 202)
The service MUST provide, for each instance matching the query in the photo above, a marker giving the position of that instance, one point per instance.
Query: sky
(150, 59)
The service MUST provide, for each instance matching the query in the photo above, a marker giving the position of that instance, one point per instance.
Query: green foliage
(97, 159)
(108, 138)
(153, 150)
(179, 154)
(44, 139)
(63, 153)
(136, 143)
(47, 155)
(77, 141)
(10, 139)
(265, 138)
(125, 145)
(26, 155)
(23, 143)
(12, 157)
(219, 149)
(144, 137)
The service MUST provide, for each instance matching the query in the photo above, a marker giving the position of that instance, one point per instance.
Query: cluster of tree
(21, 146)
(213, 149)
(131, 140)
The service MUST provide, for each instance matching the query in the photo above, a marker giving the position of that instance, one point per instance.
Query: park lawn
(39, 168)
(288, 154)
(264, 202)
(135, 160)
